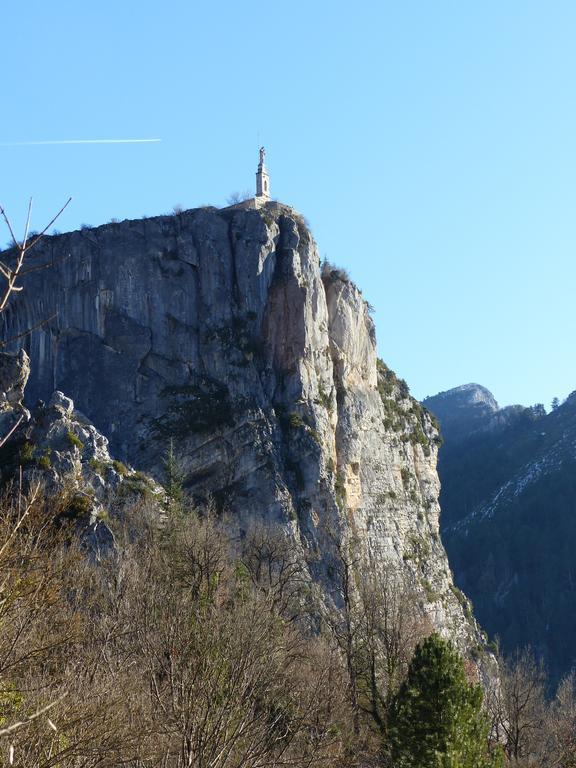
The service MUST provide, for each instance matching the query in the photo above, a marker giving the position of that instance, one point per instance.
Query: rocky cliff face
(220, 331)
(14, 373)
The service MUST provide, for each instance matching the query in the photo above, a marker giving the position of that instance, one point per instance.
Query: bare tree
(200, 553)
(277, 571)
(392, 627)
(238, 197)
(346, 619)
(517, 709)
(230, 682)
(561, 724)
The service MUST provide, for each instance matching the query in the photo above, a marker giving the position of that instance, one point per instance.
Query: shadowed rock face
(509, 518)
(59, 448)
(14, 372)
(216, 329)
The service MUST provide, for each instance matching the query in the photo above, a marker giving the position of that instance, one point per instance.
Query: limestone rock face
(219, 330)
(14, 372)
(63, 447)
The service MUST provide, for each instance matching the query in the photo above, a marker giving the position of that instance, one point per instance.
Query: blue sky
(431, 145)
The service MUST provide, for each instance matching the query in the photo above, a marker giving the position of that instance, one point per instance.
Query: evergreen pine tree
(436, 719)
(173, 482)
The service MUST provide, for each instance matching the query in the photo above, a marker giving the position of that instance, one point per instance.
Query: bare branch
(27, 228)
(11, 275)
(47, 227)
(11, 432)
(30, 718)
(28, 331)
(30, 503)
(9, 225)
(46, 265)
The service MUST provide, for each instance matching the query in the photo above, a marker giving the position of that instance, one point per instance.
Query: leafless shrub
(561, 724)
(331, 273)
(42, 634)
(234, 198)
(277, 571)
(166, 653)
(238, 197)
(517, 708)
(392, 627)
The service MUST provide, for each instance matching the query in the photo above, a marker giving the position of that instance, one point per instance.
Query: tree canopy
(436, 719)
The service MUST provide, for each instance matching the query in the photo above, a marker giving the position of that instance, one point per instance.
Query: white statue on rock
(262, 179)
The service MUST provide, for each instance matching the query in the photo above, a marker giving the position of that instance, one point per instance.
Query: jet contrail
(78, 141)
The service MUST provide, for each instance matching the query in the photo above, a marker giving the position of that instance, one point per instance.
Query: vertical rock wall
(218, 330)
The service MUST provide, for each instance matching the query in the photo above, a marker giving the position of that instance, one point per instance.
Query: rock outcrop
(220, 331)
(56, 445)
(14, 373)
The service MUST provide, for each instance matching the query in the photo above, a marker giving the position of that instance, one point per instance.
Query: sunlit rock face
(220, 331)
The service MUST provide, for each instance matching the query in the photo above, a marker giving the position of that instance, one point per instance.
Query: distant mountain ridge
(463, 410)
(508, 521)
